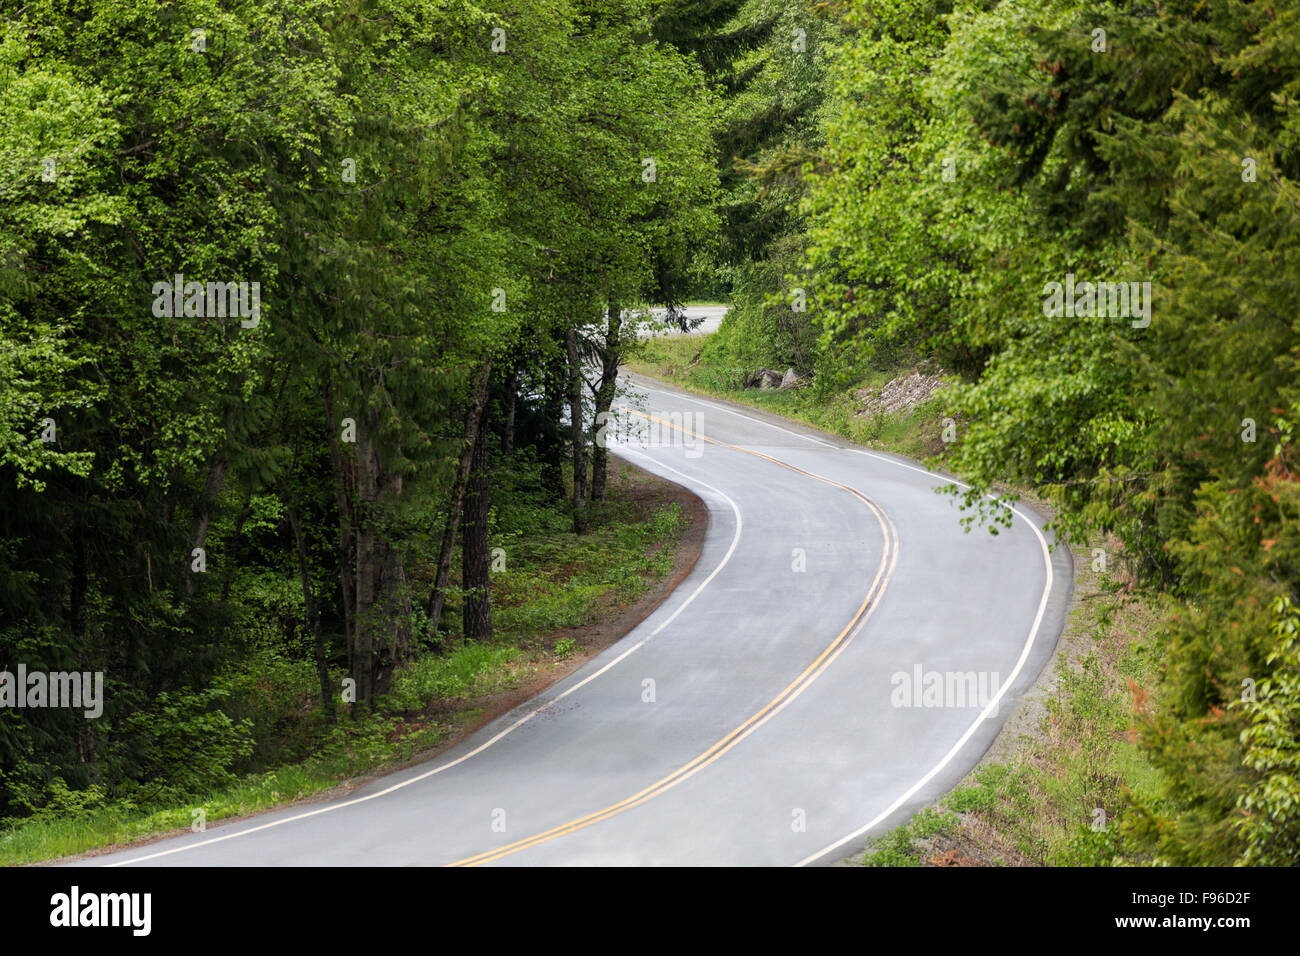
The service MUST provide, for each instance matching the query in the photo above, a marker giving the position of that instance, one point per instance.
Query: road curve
(841, 654)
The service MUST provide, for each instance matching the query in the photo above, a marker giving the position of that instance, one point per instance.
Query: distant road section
(711, 314)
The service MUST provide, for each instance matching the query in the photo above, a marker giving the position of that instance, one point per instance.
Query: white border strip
(984, 714)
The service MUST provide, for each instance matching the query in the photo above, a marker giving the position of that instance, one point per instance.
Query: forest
(310, 313)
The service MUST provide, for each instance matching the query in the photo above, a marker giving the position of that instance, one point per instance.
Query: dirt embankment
(898, 394)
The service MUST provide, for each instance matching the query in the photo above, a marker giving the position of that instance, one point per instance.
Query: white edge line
(992, 706)
(989, 708)
(735, 540)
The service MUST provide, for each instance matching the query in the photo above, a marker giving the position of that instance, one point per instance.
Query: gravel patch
(896, 395)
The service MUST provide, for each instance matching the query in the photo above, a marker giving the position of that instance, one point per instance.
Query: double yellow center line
(888, 559)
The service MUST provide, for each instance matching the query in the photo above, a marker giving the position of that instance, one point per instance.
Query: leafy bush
(185, 744)
(434, 677)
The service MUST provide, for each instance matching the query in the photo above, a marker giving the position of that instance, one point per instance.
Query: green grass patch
(903, 846)
(352, 750)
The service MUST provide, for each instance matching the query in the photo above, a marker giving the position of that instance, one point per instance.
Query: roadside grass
(902, 846)
(351, 751)
(914, 432)
(554, 580)
(562, 580)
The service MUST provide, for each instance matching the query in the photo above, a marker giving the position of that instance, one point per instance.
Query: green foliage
(899, 847)
(562, 580)
(186, 744)
(56, 800)
(273, 689)
(1271, 807)
(975, 157)
(461, 672)
(1089, 847)
(386, 178)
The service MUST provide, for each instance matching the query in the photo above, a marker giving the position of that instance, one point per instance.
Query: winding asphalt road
(764, 714)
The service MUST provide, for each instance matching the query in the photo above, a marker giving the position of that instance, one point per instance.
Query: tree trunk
(473, 423)
(610, 356)
(476, 612)
(313, 609)
(576, 435)
(344, 489)
(394, 646)
(211, 488)
(368, 568)
(508, 420)
(556, 379)
(383, 606)
(383, 639)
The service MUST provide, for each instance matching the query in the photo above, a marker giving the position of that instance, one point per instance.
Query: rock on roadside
(898, 394)
(764, 378)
